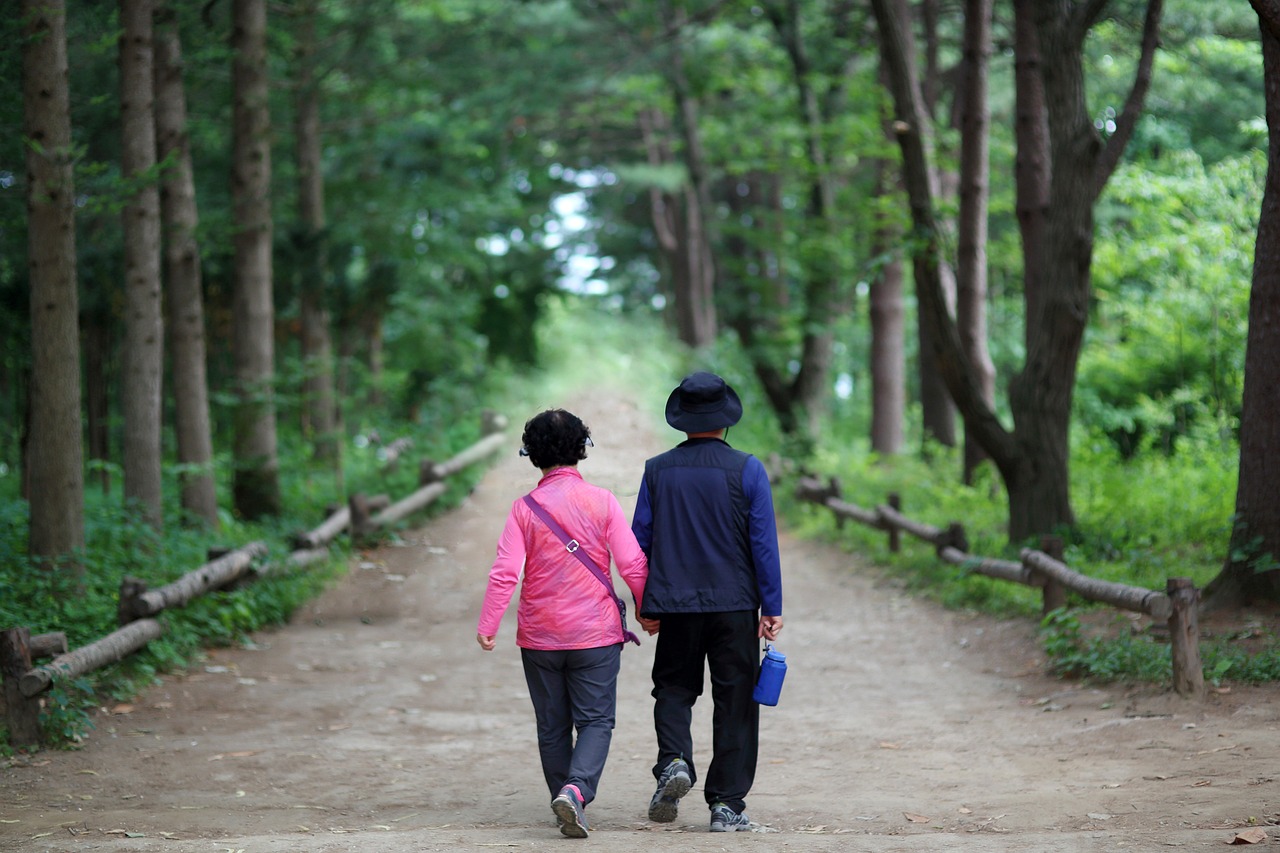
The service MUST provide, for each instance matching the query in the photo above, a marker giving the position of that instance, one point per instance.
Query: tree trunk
(143, 355)
(317, 345)
(971, 266)
(185, 305)
(256, 487)
(1249, 572)
(696, 322)
(97, 382)
(937, 411)
(888, 356)
(55, 451)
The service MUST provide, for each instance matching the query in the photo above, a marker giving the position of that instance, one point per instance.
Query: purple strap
(574, 547)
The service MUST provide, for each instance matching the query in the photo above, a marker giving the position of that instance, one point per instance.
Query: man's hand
(650, 626)
(769, 627)
(486, 642)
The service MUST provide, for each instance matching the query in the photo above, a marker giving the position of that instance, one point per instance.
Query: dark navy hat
(703, 402)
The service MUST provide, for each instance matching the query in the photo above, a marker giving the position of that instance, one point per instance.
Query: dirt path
(374, 722)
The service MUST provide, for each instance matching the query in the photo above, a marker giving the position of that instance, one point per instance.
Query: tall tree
(55, 454)
(693, 266)
(256, 489)
(971, 244)
(1250, 570)
(185, 302)
(1033, 456)
(312, 244)
(143, 355)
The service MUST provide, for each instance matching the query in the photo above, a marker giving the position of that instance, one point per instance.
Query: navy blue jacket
(704, 517)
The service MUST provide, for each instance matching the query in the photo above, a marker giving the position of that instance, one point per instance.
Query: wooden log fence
(1042, 568)
(24, 682)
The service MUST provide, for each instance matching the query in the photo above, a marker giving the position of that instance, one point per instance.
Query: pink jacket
(562, 605)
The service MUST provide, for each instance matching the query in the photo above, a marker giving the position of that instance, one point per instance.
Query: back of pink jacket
(562, 605)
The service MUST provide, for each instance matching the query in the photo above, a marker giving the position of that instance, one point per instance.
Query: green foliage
(1126, 657)
(1172, 267)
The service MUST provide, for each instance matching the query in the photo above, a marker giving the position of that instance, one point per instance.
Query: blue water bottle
(772, 670)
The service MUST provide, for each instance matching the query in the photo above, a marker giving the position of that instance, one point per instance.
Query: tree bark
(696, 322)
(55, 449)
(888, 354)
(185, 303)
(1250, 569)
(142, 359)
(971, 259)
(317, 344)
(256, 486)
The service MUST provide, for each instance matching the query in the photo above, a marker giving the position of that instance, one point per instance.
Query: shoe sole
(570, 824)
(666, 808)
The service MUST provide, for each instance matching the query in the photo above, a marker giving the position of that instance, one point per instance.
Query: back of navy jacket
(704, 516)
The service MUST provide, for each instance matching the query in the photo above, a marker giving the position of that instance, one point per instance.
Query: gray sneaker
(673, 784)
(725, 819)
(569, 813)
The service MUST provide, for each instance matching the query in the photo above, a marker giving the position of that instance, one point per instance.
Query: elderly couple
(700, 559)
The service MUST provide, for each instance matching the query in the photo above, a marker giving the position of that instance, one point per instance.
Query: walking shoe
(568, 808)
(725, 819)
(673, 784)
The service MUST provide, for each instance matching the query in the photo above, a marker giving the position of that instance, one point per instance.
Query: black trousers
(725, 644)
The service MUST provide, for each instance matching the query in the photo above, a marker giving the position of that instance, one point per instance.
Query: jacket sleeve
(642, 519)
(764, 538)
(503, 576)
(632, 564)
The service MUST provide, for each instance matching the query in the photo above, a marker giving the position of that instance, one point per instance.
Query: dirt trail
(374, 722)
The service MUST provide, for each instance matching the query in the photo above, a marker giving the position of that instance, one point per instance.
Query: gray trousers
(573, 689)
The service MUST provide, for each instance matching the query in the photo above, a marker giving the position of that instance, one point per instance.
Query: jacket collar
(557, 473)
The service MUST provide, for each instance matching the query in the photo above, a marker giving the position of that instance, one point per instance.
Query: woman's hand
(486, 642)
(650, 626)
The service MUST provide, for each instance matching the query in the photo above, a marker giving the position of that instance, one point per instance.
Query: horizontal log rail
(1043, 569)
(23, 682)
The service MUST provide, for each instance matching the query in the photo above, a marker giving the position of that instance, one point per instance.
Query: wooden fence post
(895, 537)
(360, 526)
(22, 715)
(1055, 595)
(1184, 633)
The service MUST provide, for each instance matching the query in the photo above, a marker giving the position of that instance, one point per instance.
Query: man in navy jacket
(704, 517)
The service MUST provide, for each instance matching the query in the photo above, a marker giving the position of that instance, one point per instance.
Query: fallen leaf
(884, 744)
(1203, 783)
(1250, 836)
(966, 810)
(916, 818)
(122, 708)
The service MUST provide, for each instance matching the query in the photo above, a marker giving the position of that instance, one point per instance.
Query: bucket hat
(703, 402)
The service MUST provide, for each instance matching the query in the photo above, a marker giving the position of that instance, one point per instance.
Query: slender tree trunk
(256, 488)
(317, 344)
(55, 451)
(1031, 163)
(185, 305)
(97, 360)
(888, 353)
(971, 267)
(1249, 571)
(937, 411)
(696, 321)
(143, 355)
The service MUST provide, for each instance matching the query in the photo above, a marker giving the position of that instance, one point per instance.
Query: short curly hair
(555, 437)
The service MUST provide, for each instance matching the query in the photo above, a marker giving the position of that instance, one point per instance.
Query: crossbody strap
(575, 548)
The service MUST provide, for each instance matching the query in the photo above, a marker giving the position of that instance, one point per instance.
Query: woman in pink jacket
(570, 626)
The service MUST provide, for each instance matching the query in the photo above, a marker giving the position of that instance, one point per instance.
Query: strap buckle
(572, 545)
